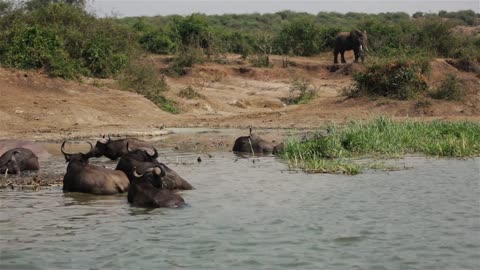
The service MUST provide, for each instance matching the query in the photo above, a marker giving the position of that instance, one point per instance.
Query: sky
(128, 8)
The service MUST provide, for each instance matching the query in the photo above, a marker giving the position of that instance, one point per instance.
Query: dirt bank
(232, 94)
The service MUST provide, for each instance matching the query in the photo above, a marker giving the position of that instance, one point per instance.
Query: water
(256, 215)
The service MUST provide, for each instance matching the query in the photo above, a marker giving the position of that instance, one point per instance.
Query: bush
(31, 47)
(301, 91)
(157, 42)
(65, 41)
(142, 78)
(192, 31)
(185, 59)
(451, 88)
(399, 79)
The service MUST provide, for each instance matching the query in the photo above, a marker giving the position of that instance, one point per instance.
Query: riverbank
(232, 95)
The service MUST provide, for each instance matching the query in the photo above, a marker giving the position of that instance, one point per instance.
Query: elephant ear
(356, 35)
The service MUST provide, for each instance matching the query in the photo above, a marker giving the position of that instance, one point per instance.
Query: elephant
(356, 40)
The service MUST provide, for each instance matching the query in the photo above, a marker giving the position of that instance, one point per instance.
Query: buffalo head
(148, 190)
(77, 157)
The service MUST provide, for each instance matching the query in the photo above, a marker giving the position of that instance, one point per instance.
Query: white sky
(125, 8)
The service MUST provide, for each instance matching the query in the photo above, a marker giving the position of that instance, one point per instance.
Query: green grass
(332, 148)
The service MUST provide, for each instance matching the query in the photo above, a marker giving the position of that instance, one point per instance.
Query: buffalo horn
(155, 152)
(61, 148)
(91, 147)
(154, 170)
(128, 147)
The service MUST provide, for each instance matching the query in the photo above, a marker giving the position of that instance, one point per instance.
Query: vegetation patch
(332, 148)
(142, 78)
(64, 40)
(301, 91)
(189, 93)
(398, 79)
(451, 88)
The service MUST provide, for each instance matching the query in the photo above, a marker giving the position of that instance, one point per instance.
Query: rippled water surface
(256, 215)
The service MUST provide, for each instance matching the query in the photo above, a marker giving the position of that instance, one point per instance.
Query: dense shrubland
(64, 40)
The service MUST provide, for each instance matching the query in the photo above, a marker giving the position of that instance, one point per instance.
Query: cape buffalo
(253, 144)
(115, 149)
(18, 159)
(37, 148)
(86, 178)
(147, 190)
(144, 159)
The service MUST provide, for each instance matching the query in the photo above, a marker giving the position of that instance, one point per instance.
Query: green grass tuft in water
(331, 148)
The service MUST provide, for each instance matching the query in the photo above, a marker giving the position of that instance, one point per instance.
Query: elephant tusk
(361, 48)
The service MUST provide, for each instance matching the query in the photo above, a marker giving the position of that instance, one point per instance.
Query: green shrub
(157, 42)
(436, 36)
(451, 88)
(240, 43)
(33, 47)
(186, 58)
(192, 31)
(300, 37)
(301, 91)
(64, 40)
(399, 79)
(142, 78)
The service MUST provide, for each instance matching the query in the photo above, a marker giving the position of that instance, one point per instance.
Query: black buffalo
(114, 149)
(255, 145)
(16, 160)
(86, 178)
(148, 190)
(144, 159)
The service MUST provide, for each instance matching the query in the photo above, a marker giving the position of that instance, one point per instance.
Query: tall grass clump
(382, 138)
(398, 79)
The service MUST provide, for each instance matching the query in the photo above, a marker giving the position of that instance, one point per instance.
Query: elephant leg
(335, 57)
(343, 57)
(357, 54)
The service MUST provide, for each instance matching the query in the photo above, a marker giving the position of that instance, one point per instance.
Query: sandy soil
(233, 94)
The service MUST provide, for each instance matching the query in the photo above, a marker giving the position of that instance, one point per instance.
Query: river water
(255, 214)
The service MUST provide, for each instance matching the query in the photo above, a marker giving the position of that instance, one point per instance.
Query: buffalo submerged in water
(143, 159)
(84, 177)
(253, 144)
(150, 190)
(16, 160)
(114, 149)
